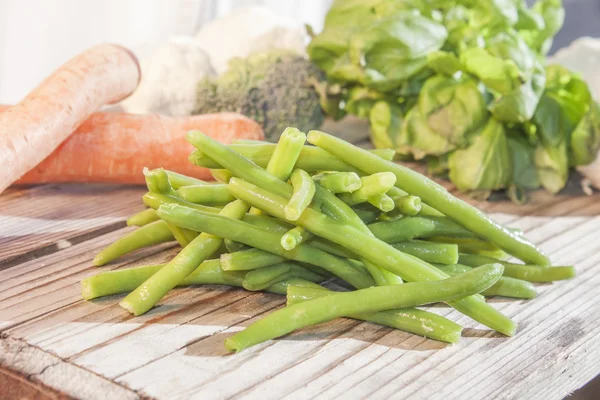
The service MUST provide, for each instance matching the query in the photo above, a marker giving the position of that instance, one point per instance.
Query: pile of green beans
(288, 218)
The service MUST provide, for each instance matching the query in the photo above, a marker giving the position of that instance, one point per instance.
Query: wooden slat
(39, 217)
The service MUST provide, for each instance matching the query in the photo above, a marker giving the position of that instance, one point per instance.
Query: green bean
(530, 273)
(382, 276)
(157, 181)
(203, 246)
(232, 246)
(434, 195)
(474, 246)
(311, 159)
(142, 218)
(372, 185)
(371, 300)
(303, 192)
(506, 286)
(332, 248)
(286, 153)
(282, 286)
(260, 279)
(155, 200)
(339, 182)
(440, 253)
(126, 280)
(383, 202)
(408, 205)
(249, 259)
(221, 175)
(379, 253)
(206, 194)
(178, 180)
(269, 241)
(250, 141)
(366, 212)
(413, 320)
(268, 223)
(404, 229)
(294, 237)
(145, 236)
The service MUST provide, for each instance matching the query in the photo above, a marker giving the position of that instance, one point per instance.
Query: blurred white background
(36, 36)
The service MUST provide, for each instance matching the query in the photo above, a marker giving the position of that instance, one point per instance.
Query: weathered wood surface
(96, 350)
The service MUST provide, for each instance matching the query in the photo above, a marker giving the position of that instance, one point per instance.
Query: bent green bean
(145, 236)
(413, 320)
(375, 299)
(302, 194)
(433, 194)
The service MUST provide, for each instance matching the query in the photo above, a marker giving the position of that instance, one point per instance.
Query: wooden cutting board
(95, 350)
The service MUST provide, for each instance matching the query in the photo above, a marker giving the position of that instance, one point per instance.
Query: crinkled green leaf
(552, 125)
(359, 100)
(385, 72)
(522, 155)
(452, 108)
(500, 75)
(528, 19)
(585, 139)
(552, 166)
(485, 164)
(386, 123)
(443, 62)
(418, 140)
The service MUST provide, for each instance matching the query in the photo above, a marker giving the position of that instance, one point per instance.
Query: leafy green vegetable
(484, 165)
(461, 84)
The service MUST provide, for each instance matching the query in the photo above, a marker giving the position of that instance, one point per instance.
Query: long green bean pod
(408, 267)
(440, 253)
(269, 241)
(339, 182)
(250, 259)
(401, 230)
(311, 159)
(189, 258)
(506, 286)
(178, 180)
(294, 237)
(268, 223)
(372, 185)
(434, 195)
(374, 299)
(303, 193)
(260, 279)
(142, 218)
(145, 236)
(413, 320)
(286, 153)
(473, 246)
(530, 273)
(206, 194)
(126, 280)
(408, 205)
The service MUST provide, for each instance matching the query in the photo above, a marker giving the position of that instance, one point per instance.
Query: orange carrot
(32, 129)
(115, 147)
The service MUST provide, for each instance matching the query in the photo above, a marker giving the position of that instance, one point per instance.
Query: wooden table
(94, 349)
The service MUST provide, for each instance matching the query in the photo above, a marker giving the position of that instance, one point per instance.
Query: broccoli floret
(273, 88)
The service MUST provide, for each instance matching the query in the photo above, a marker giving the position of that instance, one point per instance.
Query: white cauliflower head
(169, 79)
(249, 30)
